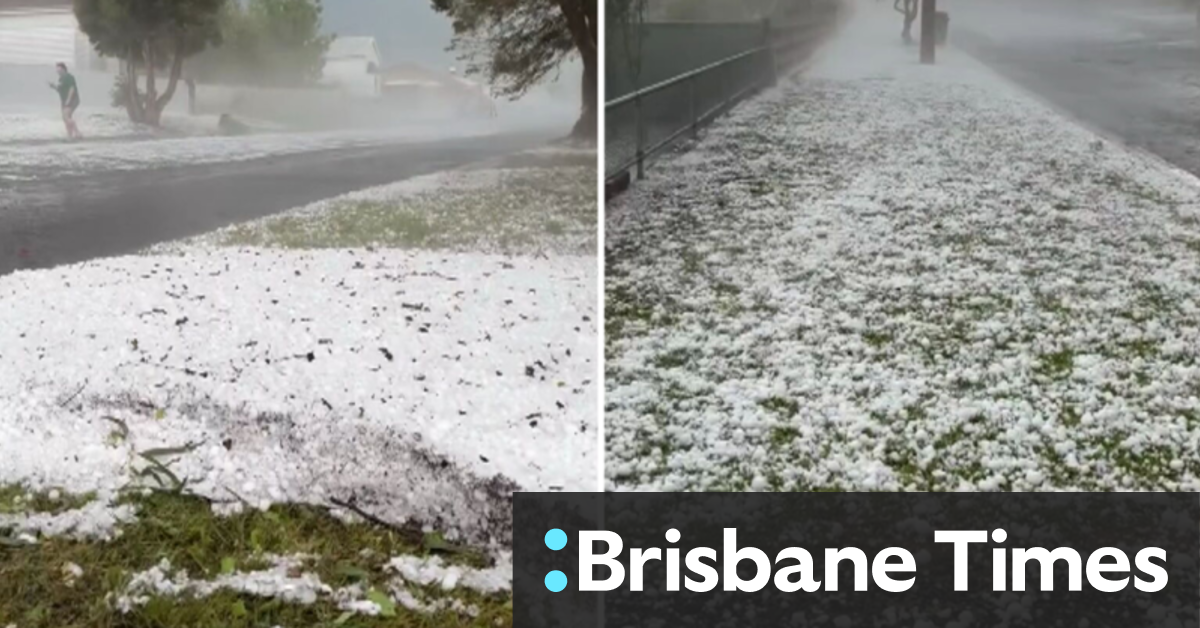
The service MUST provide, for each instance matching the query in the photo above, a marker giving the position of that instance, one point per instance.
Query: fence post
(641, 137)
(769, 45)
(928, 30)
(723, 85)
(692, 107)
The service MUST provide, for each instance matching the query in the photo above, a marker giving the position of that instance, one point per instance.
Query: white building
(35, 35)
(46, 34)
(352, 65)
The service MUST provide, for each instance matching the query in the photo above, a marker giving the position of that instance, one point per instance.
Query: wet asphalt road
(1129, 69)
(59, 221)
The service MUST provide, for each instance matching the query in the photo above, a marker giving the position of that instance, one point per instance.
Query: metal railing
(645, 122)
(710, 90)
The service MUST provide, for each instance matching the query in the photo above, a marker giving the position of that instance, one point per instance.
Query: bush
(120, 92)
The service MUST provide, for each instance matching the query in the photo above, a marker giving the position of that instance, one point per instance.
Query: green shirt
(66, 83)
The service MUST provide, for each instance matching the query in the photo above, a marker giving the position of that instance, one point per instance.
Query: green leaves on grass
(387, 608)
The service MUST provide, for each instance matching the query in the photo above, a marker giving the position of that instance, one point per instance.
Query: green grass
(783, 436)
(877, 339)
(16, 499)
(522, 211)
(788, 408)
(1057, 365)
(629, 314)
(674, 358)
(1028, 357)
(1123, 183)
(184, 530)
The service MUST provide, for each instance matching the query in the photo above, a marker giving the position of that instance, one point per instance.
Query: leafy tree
(149, 36)
(625, 19)
(295, 49)
(266, 43)
(711, 10)
(516, 43)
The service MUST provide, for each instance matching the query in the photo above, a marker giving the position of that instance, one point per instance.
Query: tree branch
(134, 102)
(176, 72)
(151, 79)
(577, 22)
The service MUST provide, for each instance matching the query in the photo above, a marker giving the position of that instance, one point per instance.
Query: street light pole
(928, 30)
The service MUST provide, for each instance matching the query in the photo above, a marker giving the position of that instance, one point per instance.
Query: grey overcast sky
(407, 30)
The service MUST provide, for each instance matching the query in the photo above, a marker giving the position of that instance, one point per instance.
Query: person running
(68, 93)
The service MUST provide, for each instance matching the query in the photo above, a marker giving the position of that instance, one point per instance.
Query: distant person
(68, 93)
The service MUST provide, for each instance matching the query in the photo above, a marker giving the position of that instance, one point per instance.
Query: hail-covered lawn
(884, 276)
(181, 564)
(46, 126)
(116, 147)
(323, 431)
(536, 210)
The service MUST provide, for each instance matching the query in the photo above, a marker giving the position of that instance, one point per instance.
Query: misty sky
(407, 30)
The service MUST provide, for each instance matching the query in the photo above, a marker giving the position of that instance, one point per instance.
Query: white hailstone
(1034, 477)
(71, 573)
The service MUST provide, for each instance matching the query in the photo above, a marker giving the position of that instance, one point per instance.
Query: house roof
(353, 48)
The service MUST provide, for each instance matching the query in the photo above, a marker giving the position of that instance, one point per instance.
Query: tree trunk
(155, 104)
(130, 93)
(133, 100)
(191, 89)
(153, 114)
(586, 127)
(173, 79)
(928, 31)
(581, 20)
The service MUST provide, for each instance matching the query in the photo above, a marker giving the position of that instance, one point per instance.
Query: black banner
(845, 560)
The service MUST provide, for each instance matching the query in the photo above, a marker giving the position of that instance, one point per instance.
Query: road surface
(1127, 68)
(49, 222)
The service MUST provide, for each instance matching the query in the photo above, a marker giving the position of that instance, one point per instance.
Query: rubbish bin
(941, 27)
